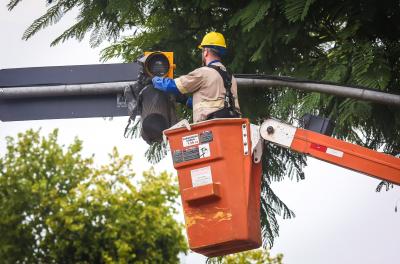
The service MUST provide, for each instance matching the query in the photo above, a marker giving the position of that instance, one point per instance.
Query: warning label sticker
(190, 140)
(334, 152)
(204, 150)
(201, 176)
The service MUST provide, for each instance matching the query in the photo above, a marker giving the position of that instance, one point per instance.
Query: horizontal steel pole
(63, 90)
(118, 87)
(350, 92)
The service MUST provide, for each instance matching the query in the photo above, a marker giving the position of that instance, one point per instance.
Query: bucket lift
(219, 171)
(218, 161)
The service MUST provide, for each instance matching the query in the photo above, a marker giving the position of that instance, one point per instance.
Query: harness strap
(229, 102)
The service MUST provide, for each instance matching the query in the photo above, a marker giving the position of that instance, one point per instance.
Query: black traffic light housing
(156, 108)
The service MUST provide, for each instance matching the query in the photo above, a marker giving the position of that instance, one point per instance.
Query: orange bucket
(219, 185)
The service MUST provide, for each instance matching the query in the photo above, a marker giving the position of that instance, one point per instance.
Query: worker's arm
(168, 85)
(184, 84)
(191, 82)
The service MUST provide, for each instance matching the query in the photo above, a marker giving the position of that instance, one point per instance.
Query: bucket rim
(172, 130)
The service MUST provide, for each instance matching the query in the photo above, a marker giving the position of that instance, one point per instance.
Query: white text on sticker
(201, 176)
(190, 140)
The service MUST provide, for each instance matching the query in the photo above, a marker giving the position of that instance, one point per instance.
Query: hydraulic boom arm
(338, 152)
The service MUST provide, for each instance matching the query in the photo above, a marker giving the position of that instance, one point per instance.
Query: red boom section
(347, 155)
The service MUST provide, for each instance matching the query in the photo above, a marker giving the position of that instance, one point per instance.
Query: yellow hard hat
(213, 39)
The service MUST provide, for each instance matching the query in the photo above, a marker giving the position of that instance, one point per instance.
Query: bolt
(270, 130)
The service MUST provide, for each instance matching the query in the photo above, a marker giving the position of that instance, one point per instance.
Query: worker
(213, 88)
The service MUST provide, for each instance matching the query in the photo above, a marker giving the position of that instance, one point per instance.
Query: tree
(347, 42)
(257, 256)
(57, 207)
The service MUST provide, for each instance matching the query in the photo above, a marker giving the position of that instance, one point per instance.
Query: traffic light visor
(158, 64)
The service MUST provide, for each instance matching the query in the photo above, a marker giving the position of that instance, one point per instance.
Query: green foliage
(296, 10)
(249, 16)
(257, 256)
(57, 207)
(156, 152)
(348, 42)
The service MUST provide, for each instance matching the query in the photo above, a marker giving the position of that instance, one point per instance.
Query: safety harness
(229, 109)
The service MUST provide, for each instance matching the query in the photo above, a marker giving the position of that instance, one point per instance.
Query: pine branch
(252, 14)
(279, 207)
(52, 16)
(269, 225)
(156, 152)
(76, 31)
(296, 10)
(132, 130)
(98, 35)
(279, 162)
(12, 4)
(271, 204)
(385, 184)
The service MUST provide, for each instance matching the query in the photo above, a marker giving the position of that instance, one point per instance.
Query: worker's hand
(158, 83)
(189, 102)
(165, 84)
(184, 100)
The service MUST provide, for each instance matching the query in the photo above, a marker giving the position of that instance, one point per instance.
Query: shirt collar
(212, 62)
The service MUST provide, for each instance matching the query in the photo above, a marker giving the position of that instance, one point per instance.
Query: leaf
(258, 54)
(385, 184)
(296, 10)
(12, 4)
(77, 31)
(52, 16)
(73, 210)
(362, 59)
(249, 16)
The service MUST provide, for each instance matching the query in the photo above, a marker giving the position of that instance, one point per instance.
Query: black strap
(229, 102)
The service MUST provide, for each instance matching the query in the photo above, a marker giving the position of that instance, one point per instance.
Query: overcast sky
(340, 217)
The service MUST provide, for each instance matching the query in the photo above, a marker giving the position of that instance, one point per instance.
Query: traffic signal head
(156, 108)
(158, 63)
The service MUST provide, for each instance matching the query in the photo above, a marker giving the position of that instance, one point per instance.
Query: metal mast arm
(375, 96)
(335, 151)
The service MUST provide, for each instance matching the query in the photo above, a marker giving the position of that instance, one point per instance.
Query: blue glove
(189, 102)
(167, 85)
(184, 100)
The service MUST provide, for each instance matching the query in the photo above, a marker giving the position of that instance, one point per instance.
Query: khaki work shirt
(208, 90)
